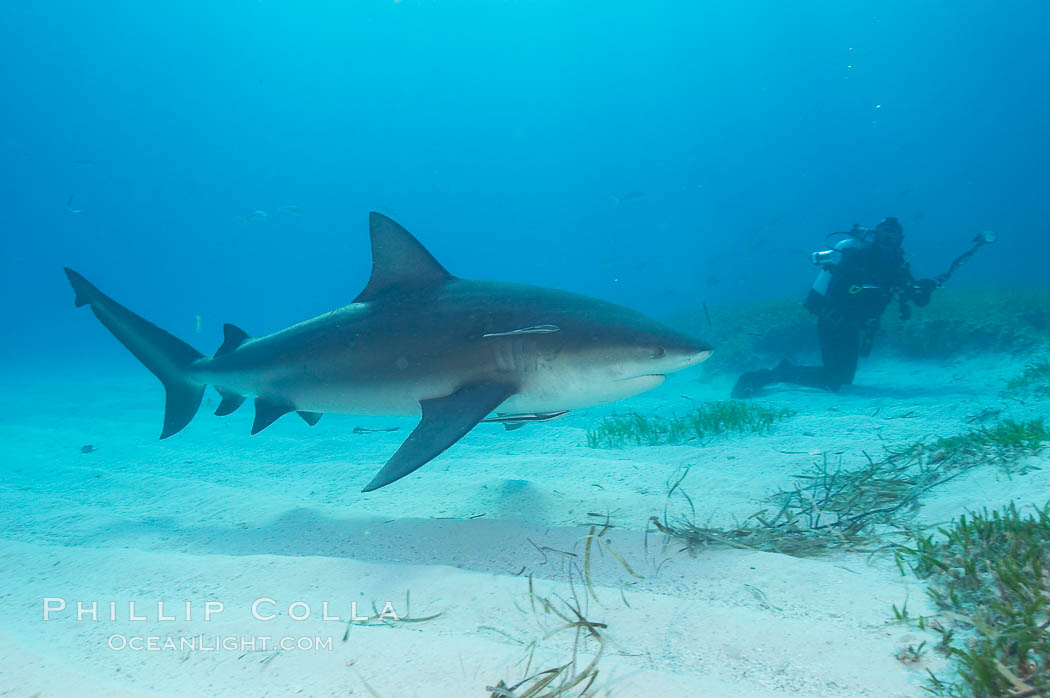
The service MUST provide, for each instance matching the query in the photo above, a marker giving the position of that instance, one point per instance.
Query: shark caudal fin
(165, 355)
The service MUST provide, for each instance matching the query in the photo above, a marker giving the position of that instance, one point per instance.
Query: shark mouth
(639, 384)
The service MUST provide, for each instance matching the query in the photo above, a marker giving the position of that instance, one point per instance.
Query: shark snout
(682, 355)
(701, 353)
(668, 358)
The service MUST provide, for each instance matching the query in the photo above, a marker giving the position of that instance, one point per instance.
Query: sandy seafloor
(214, 514)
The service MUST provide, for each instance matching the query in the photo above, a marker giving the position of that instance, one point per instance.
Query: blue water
(207, 162)
(502, 134)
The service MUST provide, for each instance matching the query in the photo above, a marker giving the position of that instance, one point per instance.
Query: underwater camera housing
(826, 257)
(857, 236)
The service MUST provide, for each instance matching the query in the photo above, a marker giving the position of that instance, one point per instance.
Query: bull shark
(417, 341)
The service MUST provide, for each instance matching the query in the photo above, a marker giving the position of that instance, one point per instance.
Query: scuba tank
(829, 259)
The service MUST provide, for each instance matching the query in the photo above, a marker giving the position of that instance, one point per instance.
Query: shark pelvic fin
(399, 261)
(445, 421)
(232, 337)
(167, 356)
(230, 402)
(268, 411)
(311, 418)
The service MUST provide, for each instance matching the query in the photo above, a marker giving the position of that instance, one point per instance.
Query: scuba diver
(860, 276)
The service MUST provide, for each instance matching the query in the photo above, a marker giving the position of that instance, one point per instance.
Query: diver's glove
(922, 290)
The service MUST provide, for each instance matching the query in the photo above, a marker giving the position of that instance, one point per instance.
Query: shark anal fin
(267, 411)
(230, 402)
(399, 261)
(445, 421)
(311, 418)
(232, 337)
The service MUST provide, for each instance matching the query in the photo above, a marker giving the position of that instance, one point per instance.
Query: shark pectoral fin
(311, 418)
(232, 337)
(230, 402)
(267, 411)
(445, 421)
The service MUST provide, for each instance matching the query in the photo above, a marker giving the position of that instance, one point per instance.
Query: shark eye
(659, 353)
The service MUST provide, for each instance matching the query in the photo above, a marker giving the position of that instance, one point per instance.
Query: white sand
(213, 514)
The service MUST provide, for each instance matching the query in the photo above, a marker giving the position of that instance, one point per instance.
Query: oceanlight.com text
(217, 643)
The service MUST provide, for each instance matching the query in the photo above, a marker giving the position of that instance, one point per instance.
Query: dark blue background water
(505, 136)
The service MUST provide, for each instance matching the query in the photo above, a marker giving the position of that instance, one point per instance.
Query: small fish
(363, 430)
(538, 329)
(198, 324)
(761, 596)
(87, 448)
(257, 217)
(984, 415)
(69, 206)
(526, 417)
(511, 422)
(629, 196)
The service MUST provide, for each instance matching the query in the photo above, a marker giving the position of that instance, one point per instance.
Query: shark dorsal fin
(398, 261)
(232, 337)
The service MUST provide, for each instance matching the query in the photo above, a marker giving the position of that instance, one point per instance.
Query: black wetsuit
(862, 285)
